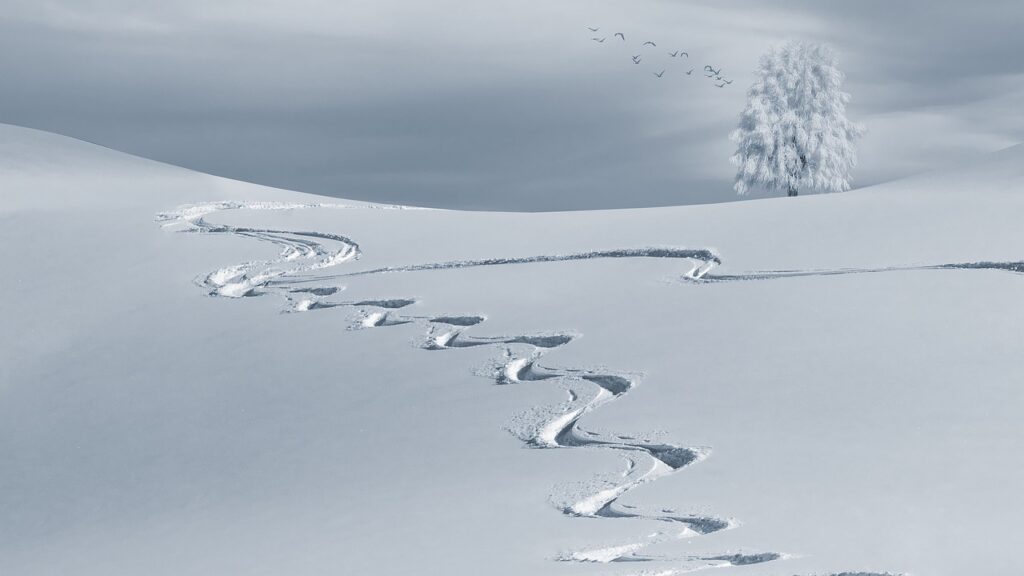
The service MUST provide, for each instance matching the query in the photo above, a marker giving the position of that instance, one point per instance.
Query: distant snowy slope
(38, 169)
(997, 173)
(202, 376)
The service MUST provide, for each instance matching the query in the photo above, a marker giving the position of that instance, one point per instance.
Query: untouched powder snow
(202, 376)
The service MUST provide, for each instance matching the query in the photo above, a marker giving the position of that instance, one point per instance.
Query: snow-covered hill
(202, 376)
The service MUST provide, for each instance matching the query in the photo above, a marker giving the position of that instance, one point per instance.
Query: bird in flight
(621, 35)
(724, 81)
(598, 40)
(687, 54)
(722, 85)
(674, 54)
(636, 59)
(592, 29)
(708, 68)
(690, 71)
(659, 74)
(651, 43)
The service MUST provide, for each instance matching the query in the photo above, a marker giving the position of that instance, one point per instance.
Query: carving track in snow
(300, 251)
(1013, 267)
(304, 254)
(706, 259)
(587, 389)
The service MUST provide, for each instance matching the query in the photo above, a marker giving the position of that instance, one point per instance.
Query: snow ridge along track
(297, 277)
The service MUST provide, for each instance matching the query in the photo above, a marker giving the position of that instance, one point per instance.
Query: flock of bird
(709, 71)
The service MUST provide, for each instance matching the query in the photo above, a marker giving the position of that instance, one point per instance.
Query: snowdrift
(204, 376)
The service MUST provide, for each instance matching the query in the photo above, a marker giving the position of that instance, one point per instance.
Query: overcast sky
(502, 104)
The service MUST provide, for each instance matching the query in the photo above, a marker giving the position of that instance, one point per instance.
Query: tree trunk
(792, 192)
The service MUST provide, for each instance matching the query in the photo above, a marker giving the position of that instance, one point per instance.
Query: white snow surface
(206, 377)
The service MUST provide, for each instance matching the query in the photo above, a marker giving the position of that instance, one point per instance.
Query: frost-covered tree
(794, 134)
